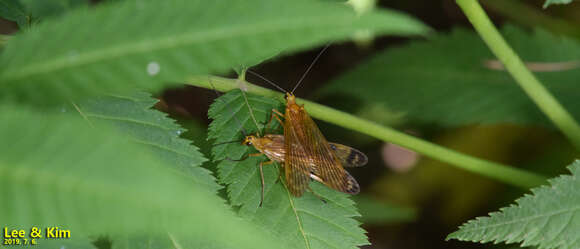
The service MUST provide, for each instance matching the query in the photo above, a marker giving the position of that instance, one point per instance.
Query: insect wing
(296, 162)
(271, 145)
(310, 140)
(349, 157)
(274, 149)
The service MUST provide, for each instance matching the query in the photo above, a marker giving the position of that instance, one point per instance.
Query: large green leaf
(549, 218)
(444, 80)
(75, 242)
(56, 170)
(148, 43)
(304, 222)
(133, 115)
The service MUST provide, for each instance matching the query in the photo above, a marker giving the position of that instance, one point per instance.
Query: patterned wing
(349, 157)
(296, 163)
(327, 167)
(271, 145)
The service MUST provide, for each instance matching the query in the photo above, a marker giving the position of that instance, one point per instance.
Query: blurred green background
(426, 199)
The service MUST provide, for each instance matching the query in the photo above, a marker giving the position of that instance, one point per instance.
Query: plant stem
(514, 65)
(503, 173)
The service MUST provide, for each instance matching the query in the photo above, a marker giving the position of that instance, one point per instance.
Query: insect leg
(262, 178)
(279, 174)
(274, 114)
(277, 115)
(266, 124)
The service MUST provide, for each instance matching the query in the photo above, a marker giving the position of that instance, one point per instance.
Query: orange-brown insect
(308, 154)
(304, 150)
(274, 147)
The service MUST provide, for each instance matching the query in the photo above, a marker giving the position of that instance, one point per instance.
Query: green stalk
(514, 65)
(500, 172)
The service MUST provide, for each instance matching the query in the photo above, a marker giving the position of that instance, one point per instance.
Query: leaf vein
(298, 219)
(95, 115)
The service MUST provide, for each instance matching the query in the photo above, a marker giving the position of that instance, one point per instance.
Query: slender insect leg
(315, 194)
(266, 124)
(278, 115)
(273, 115)
(279, 174)
(262, 178)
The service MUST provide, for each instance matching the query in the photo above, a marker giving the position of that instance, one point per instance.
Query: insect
(304, 151)
(274, 147)
(307, 153)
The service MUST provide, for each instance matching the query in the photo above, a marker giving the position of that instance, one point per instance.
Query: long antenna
(228, 142)
(267, 80)
(310, 67)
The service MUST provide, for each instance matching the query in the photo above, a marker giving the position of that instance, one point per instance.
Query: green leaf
(25, 12)
(43, 9)
(549, 218)
(133, 115)
(423, 83)
(90, 51)
(304, 222)
(13, 10)
(74, 242)
(196, 130)
(173, 241)
(550, 2)
(58, 171)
